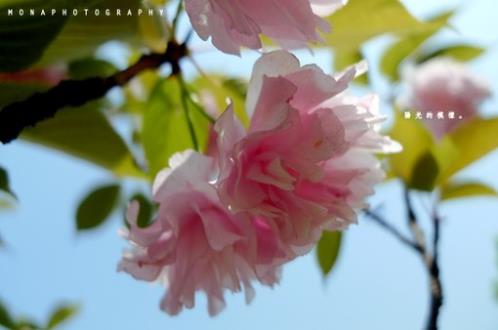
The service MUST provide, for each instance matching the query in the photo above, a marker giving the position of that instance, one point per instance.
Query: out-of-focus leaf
(6, 203)
(416, 141)
(138, 91)
(82, 35)
(473, 140)
(97, 206)
(425, 172)
(361, 20)
(24, 38)
(154, 31)
(236, 86)
(5, 184)
(90, 67)
(216, 90)
(456, 190)
(26, 324)
(328, 249)
(146, 210)
(5, 317)
(164, 130)
(431, 163)
(82, 132)
(61, 315)
(446, 153)
(13, 92)
(462, 53)
(165, 127)
(406, 46)
(86, 133)
(159, 2)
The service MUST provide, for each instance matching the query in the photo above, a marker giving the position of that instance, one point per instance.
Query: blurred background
(377, 283)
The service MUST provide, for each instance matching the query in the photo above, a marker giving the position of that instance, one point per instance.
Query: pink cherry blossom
(262, 196)
(444, 85)
(306, 162)
(195, 244)
(232, 24)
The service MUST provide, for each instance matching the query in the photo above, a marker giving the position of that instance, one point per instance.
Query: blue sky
(377, 285)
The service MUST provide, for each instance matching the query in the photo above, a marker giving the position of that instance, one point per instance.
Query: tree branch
(14, 118)
(393, 230)
(430, 260)
(417, 233)
(435, 279)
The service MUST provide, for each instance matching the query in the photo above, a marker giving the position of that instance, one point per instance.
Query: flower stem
(176, 18)
(184, 99)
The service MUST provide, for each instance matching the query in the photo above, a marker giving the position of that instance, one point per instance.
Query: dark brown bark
(14, 118)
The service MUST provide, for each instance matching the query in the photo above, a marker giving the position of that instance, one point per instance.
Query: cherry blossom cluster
(262, 196)
(447, 88)
(232, 24)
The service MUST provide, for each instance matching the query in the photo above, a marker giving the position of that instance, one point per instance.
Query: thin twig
(417, 233)
(391, 229)
(184, 95)
(176, 18)
(14, 118)
(430, 260)
(435, 278)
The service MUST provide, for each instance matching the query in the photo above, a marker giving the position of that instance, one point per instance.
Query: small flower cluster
(232, 24)
(262, 196)
(447, 87)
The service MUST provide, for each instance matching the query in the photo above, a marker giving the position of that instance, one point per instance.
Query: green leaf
(139, 91)
(406, 46)
(361, 20)
(97, 207)
(26, 324)
(165, 129)
(416, 141)
(430, 163)
(6, 203)
(473, 140)
(328, 249)
(425, 172)
(5, 318)
(145, 212)
(82, 132)
(85, 133)
(236, 86)
(23, 39)
(220, 89)
(82, 35)
(462, 53)
(154, 31)
(4, 183)
(445, 152)
(90, 67)
(61, 315)
(455, 190)
(159, 2)
(42, 40)
(14, 92)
